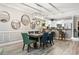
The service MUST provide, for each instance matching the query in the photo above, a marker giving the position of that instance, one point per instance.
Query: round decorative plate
(32, 25)
(25, 20)
(4, 16)
(15, 24)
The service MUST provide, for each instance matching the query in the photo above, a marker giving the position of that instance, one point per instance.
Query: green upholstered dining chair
(26, 41)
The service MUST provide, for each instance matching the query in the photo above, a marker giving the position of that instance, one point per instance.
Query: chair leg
(50, 41)
(23, 47)
(28, 47)
(46, 44)
(53, 42)
(43, 46)
(40, 43)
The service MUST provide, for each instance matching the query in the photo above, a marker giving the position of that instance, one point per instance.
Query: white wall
(14, 15)
(8, 34)
(48, 22)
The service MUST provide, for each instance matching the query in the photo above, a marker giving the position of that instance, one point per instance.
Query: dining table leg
(35, 45)
(40, 41)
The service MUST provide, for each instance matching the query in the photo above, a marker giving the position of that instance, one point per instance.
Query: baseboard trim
(9, 43)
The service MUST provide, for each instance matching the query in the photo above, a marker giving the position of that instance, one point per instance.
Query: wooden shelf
(61, 35)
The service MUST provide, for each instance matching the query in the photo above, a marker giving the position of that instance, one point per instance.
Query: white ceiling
(43, 8)
(67, 7)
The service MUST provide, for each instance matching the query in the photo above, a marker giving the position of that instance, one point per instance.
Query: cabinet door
(78, 25)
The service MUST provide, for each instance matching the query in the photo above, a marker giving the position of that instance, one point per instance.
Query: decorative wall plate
(4, 16)
(25, 20)
(32, 25)
(15, 24)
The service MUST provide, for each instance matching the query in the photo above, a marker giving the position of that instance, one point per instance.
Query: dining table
(37, 38)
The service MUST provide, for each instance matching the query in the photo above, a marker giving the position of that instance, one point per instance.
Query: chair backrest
(53, 34)
(45, 35)
(25, 37)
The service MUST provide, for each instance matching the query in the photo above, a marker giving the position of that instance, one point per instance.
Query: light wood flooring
(59, 48)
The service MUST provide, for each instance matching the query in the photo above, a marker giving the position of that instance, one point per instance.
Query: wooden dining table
(37, 36)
